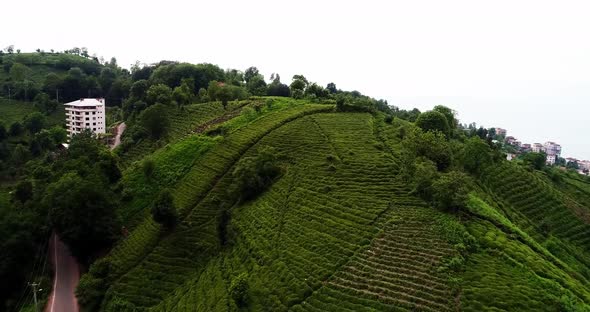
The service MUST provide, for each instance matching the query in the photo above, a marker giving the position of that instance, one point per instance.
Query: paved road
(120, 129)
(67, 275)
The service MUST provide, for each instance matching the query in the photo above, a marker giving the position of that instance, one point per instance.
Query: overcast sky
(520, 65)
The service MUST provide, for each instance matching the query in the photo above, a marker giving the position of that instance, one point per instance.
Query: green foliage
(155, 120)
(252, 175)
(450, 191)
(423, 178)
(534, 160)
(433, 121)
(159, 94)
(476, 155)
(148, 166)
(163, 209)
(449, 115)
(431, 145)
(238, 289)
(34, 122)
(23, 191)
(82, 213)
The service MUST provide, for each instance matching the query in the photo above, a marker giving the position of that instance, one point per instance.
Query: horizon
(483, 60)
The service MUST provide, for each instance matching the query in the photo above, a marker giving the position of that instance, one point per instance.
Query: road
(67, 275)
(120, 129)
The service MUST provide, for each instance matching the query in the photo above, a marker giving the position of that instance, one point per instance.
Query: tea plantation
(342, 227)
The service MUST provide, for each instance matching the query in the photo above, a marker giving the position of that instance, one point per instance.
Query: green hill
(231, 194)
(340, 230)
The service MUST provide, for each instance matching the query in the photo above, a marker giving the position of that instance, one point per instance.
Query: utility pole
(57, 95)
(34, 285)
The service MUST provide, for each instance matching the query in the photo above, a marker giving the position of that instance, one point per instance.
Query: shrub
(253, 175)
(163, 209)
(238, 289)
(148, 166)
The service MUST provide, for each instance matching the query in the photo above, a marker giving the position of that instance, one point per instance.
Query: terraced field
(298, 239)
(545, 207)
(184, 121)
(177, 256)
(397, 272)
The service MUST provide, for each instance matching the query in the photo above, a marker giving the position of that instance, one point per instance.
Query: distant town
(514, 148)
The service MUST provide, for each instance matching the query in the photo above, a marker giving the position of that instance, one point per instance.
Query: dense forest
(233, 192)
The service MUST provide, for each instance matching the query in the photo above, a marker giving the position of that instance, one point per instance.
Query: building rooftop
(86, 102)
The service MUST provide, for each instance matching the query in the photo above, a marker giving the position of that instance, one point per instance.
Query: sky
(521, 65)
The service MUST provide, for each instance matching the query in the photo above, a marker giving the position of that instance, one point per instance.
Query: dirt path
(67, 275)
(119, 131)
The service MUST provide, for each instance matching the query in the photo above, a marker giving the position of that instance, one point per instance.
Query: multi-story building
(552, 148)
(585, 164)
(551, 159)
(85, 114)
(501, 132)
(537, 148)
(525, 147)
(510, 140)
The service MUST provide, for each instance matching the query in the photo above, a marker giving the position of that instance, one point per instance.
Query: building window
(94, 123)
(87, 118)
(93, 129)
(87, 113)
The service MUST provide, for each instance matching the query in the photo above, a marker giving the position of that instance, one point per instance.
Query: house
(510, 156)
(86, 114)
(510, 140)
(501, 132)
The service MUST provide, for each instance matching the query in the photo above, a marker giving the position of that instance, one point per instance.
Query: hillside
(341, 229)
(230, 194)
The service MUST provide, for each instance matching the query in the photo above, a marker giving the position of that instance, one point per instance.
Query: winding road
(67, 275)
(120, 129)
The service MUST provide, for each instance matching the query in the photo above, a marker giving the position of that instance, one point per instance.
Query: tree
(331, 87)
(82, 211)
(16, 129)
(431, 145)
(155, 120)
(256, 85)
(425, 174)
(163, 209)
(449, 114)
(450, 191)
(476, 155)
(159, 93)
(34, 122)
(3, 132)
(10, 49)
(20, 154)
(19, 72)
(250, 73)
(298, 86)
(183, 94)
(254, 174)
(23, 191)
(535, 160)
(433, 121)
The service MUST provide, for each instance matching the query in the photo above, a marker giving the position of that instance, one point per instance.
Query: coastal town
(552, 150)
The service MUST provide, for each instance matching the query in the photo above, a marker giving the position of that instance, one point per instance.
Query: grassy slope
(142, 255)
(16, 110)
(338, 233)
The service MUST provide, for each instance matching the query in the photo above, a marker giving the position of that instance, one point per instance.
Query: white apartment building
(86, 114)
(552, 148)
(537, 147)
